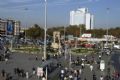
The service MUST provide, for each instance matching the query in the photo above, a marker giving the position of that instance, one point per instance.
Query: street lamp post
(76, 41)
(46, 74)
(45, 29)
(25, 34)
(70, 59)
(11, 47)
(64, 44)
(25, 26)
(107, 27)
(80, 31)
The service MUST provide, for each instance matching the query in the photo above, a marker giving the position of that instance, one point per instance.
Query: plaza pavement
(27, 62)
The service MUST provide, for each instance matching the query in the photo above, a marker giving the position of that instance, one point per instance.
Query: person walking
(27, 75)
(101, 77)
(94, 77)
(100, 57)
(83, 65)
(91, 67)
(43, 78)
(3, 73)
(36, 58)
(43, 59)
(80, 71)
(33, 70)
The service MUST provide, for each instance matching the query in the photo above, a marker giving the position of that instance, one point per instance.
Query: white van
(102, 65)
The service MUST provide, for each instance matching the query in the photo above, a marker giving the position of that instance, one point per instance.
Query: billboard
(10, 27)
(39, 71)
(70, 37)
(86, 35)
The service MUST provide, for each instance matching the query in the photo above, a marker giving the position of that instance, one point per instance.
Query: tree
(82, 29)
(35, 32)
(75, 31)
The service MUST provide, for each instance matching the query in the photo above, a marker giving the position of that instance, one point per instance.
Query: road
(116, 60)
(22, 61)
(28, 61)
(87, 73)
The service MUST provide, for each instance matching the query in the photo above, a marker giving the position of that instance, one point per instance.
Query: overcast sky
(32, 11)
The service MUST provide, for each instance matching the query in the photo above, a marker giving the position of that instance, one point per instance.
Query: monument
(56, 41)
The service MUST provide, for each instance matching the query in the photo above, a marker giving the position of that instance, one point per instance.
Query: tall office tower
(92, 21)
(81, 16)
(88, 21)
(72, 17)
(78, 17)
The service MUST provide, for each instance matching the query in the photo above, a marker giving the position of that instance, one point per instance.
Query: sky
(31, 12)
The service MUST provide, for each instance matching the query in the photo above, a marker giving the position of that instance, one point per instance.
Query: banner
(10, 27)
(39, 71)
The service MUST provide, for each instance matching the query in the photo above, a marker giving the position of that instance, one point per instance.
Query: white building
(92, 22)
(88, 21)
(86, 35)
(72, 17)
(17, 27)
(9, 27)
(81, 16)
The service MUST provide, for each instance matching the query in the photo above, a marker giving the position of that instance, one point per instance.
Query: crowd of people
(4, 53)
(93, 62)
(20, 73)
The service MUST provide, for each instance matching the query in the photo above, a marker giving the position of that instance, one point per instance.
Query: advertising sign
(87, 35)
(70, 37)
(102, 65)
(10, 27)
(39, 71)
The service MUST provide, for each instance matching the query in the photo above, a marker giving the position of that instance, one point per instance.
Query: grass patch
(84, 50)
(28, 48)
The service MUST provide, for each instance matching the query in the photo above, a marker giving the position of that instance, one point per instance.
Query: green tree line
(36, 31)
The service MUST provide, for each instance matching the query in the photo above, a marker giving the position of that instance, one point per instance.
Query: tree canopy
(37, 32)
